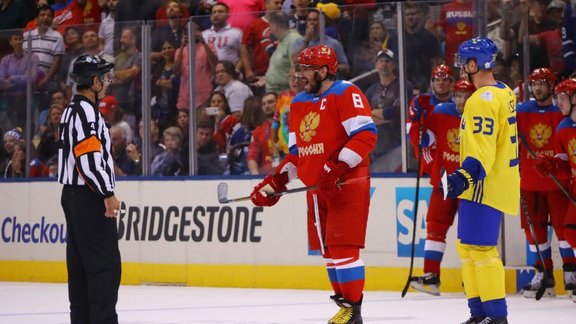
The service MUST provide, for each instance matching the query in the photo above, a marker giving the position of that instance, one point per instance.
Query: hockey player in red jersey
(441, 82)
(443, 124)
(563, 164)
(331, 133)
(544, 201)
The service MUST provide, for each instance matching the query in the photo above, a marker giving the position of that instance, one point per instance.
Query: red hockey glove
(330, 175)
(270, 184)
(545, 165)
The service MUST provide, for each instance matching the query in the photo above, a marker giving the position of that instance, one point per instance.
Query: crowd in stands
(244, 75)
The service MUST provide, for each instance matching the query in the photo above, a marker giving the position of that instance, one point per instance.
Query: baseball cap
(107, 104)
(556, 4)
(386, 53)
(15, 132)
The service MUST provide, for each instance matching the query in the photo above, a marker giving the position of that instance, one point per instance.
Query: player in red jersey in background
(443, 124)
(441, 82)
(331, 133)
(563, 164)
(544, 201)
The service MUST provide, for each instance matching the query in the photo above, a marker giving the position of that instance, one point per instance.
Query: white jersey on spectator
(236, 93)
(226, 41)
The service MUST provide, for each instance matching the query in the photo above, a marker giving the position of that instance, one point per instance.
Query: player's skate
(489, 320)
(428, 283)
(349, 312)
(529, 290)
(473, 320)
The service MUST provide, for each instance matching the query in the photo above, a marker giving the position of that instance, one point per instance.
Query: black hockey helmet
(86, 67)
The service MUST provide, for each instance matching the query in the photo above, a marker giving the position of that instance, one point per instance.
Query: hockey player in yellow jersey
(487, 181)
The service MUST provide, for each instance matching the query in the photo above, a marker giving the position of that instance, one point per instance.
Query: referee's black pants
(92, 257)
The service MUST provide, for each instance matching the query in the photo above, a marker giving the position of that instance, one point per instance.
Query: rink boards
(176, 232)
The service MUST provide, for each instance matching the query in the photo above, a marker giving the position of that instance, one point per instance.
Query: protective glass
(108, 77)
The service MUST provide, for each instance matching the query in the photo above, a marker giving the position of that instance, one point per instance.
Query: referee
(86, 170)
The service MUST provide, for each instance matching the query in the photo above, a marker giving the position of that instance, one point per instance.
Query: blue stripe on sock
(332, 275)
(433, 255)
(566, 252)
(546, 253)
(350, 274)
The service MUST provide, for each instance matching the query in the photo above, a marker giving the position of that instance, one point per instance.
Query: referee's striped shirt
(84, 157)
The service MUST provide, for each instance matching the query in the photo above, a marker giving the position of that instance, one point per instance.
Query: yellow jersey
(489, 134)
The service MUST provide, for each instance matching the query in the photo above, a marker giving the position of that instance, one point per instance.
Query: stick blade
(540, 292)
(444, 181)
(222, 192)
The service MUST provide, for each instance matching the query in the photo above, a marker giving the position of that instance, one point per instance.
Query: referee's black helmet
(86, 67)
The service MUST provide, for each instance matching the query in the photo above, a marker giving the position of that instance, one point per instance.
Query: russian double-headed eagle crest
(308, 126)
(540, 135)
(453, 138)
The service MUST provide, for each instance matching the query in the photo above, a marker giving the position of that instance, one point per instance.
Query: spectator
(133, 150)
(169, 163)
(165, 83)
(281, 61)
(205, 59)
(421, 47)
(224, 121)
(244, 12)
(533, 14)
(48, 44)
(73, 45)
(252, 117)
(14, 14)
(384, 98)
(183, 122)
(551, 40)
(114, 116)
(280, 122)
(13, 164)
(200, 9)
(455, 26)
(379, 38)
(123, 164)
(137, 10)
(57, 97)
(207, 151)
(127, 66)
(170, 32)
(106, 29)
(13, 82)
(236, 92)
(299, 16)
(49, 136)
(312, 38)
(263, 156)
(257, 46)
(71, 13)
(223, 37)
(162, 14)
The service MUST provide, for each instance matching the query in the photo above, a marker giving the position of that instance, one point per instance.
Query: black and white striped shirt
(85, 157)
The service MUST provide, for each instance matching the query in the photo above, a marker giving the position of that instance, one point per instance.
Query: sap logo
(405, 220)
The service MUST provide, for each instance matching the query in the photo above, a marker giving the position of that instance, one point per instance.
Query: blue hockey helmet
(482, 49)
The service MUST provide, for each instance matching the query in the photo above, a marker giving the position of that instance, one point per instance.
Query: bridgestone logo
(313, 149)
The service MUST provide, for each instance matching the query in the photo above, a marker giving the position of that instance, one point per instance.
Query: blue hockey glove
(458, 182)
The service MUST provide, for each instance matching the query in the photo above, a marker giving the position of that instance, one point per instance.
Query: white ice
(41, 303)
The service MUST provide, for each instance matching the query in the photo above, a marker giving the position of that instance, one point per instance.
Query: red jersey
(566, 139)
(227, 126)
(456, 19)
(260, 148)
(424, 103)
(257, 37)
(71, 14)
(444, 124)
(537, 124)
(336, 125)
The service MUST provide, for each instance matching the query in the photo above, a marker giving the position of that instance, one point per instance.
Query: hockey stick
(542, 289)
(553, 177)
(416, 200)
(222, 190)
